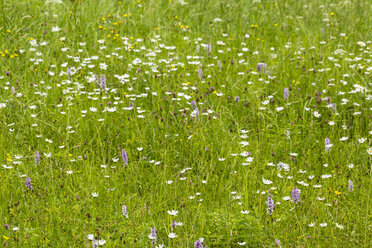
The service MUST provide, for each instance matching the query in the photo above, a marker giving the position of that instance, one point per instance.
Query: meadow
(185, 123)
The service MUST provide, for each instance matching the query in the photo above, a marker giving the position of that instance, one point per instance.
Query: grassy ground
(176, 88)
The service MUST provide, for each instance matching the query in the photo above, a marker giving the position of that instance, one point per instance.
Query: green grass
(317, 49)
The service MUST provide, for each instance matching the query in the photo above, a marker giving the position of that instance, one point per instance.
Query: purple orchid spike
(327, 144)
(270, 205)
(261, 67)
(28, 183)
(277, 241)
(124, 156)
(350, 185)
(200, 244)
(103, 82)
(153, 236)
(125, 210)
(296, 195)
(173, 225)
(286, 94)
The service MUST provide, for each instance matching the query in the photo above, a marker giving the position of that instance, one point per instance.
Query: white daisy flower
(101, 242)
(172, 235)
(369, 151)
(316, 114)
(266, 181)
(56, 29)
(172, 212)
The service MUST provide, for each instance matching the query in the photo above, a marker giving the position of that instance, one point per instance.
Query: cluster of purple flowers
(173, 225)
(350, 185)
(103, 82)
(327, 142)
(270, 205)
(153, 236)
(296, 195)
(95, 243)
(286, 94)
(124, 156)
(199, 244)
(125, 210)
(28, 183)
(261, 67)
(277, 241)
